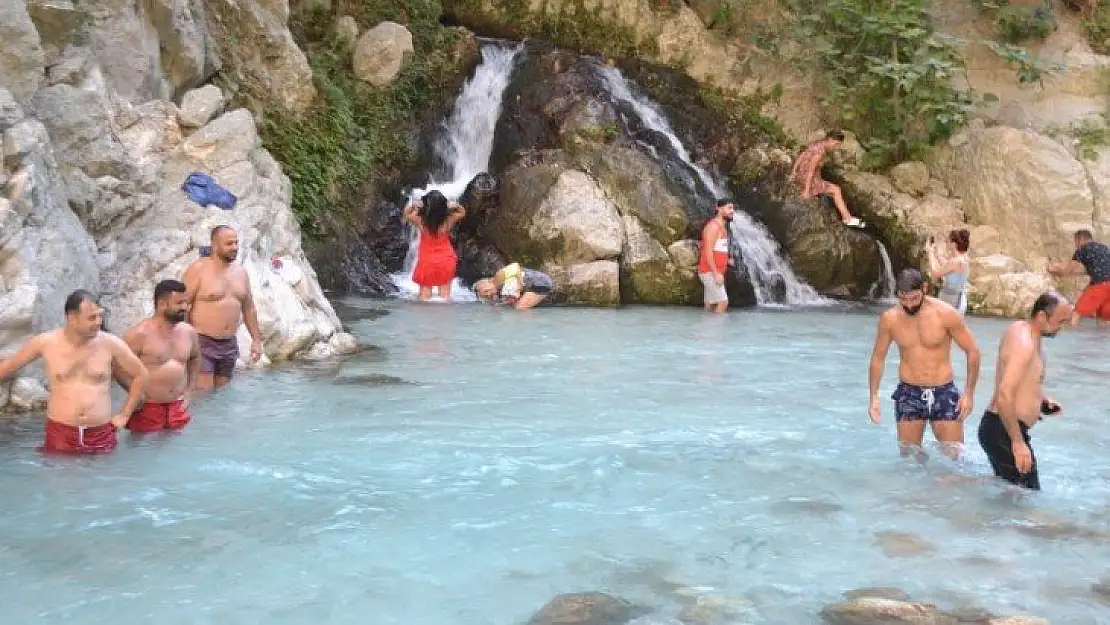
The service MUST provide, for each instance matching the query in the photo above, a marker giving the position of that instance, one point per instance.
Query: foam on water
(531, 455)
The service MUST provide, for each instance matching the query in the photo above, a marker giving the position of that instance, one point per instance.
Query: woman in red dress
(434, 215)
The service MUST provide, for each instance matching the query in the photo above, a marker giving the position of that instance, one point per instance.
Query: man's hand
(256, 350)
(120, 420)
(1023, 460)
(873, 410)
(718, 277)
(964, 406)
(1051, 406)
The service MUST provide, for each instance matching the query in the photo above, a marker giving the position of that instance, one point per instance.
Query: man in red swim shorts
(79, 360)
(170, 349)
(1091, 258)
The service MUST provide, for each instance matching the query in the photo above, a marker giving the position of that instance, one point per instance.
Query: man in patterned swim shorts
(924, 328)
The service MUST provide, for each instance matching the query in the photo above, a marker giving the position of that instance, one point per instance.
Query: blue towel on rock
(203, 190)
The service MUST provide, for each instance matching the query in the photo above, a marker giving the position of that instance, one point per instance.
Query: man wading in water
(79, 361)
(220, 296)
(924, 328)
(714, 257)
(1019, 397)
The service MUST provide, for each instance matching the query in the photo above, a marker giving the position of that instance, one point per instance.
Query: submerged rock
(882, 611)
(587, 608)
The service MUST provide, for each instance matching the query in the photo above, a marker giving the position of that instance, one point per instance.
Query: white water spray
(762, 257)
(465, 148)
(883, 289)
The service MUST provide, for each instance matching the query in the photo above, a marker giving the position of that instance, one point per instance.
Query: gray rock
(346, 29)
(58, 24)
(199, 106)
(911, 177)
(380, 53)
(21, 56)
(10, 111)
(70, 70)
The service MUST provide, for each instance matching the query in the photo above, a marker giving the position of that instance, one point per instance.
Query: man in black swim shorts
(924, 329)
(1019, 398)
(518, 286)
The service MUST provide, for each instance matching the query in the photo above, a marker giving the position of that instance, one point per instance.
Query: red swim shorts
(152, 417)
(1094, 301)
(62, 438)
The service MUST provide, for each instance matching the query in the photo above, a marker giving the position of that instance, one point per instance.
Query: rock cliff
(101, 126)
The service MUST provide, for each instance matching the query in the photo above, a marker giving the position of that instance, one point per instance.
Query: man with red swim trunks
(1091, 258)
(79, 361)
(170, 349)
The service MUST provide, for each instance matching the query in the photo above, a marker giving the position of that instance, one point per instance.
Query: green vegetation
(1097, 27)
(1018, 24)
(886, 73)
(355, 132)
(1093, 133)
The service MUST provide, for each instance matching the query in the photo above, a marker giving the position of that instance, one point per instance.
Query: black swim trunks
(537, 282)
(932, 403)
(997, 445)
(218, 356)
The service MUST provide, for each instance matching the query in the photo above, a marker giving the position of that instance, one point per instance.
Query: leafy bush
(1016, 24)
(886, 74)
(356, 132)
(1097, 28)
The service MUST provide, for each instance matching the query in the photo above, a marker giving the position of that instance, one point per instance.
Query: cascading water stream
(883, 289)
(772, 278)
(465, 146)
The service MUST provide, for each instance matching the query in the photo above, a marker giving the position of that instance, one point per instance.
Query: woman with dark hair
(954, 266)
(434, 215)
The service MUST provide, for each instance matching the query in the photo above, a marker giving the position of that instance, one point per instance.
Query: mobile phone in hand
(205, 250)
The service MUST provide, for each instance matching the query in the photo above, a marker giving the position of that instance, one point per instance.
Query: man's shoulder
(184, 328)
(107, 340)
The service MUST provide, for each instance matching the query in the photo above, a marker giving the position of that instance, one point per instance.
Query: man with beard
(171, 352)
(1019, 399)
(924, 328)
(219, 295)
(79, 360)
(714, 257)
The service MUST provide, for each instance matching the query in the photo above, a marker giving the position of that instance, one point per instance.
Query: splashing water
(773, 281)
(465, 148)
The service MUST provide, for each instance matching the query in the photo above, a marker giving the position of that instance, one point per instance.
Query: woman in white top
(954, 266)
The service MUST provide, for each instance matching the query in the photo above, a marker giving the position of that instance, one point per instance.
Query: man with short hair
(924, 329)
(79, 360)
(714, 259)
(807, 174)
(1019, 399)
(219, 295)
(1093, 259)
(169, 348)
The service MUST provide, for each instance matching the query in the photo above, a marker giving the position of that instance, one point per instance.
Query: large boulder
(380, 53)
(835, 260)
(585, 608)
(21, 56)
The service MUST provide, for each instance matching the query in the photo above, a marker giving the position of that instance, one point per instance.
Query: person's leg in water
(444, 291)
(529, 300)
(909, 415)
(425, 293)
(944, 416)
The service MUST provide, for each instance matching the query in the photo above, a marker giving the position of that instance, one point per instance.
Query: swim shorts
(154, 417)
(996, 443)
(62, 438)
(1094, 301)
(714, 292)
(932, 403)
(537, 282)
(218, 356)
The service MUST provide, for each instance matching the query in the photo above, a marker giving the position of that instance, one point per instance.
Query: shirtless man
(924, 328)
(219, 295)
(171, 352)
(1019, 399)
(79, 361)
(714, 258)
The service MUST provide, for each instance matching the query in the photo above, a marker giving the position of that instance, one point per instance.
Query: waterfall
(465, 146)
(772, 278)
(883, 289)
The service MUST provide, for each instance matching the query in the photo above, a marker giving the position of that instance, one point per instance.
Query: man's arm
(192, 368)
(30, 351)
(191, 279)
(134, 340)
(883, 338)
(1065, 268)
(961, 334)
(250, 317)
(130, 364)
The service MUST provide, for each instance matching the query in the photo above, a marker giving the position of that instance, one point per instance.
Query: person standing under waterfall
(436, 261)
(714, 257)
(807, 174)
(924, 328)
(954, 267)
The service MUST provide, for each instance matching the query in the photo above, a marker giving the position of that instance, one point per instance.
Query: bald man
(219, 294)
